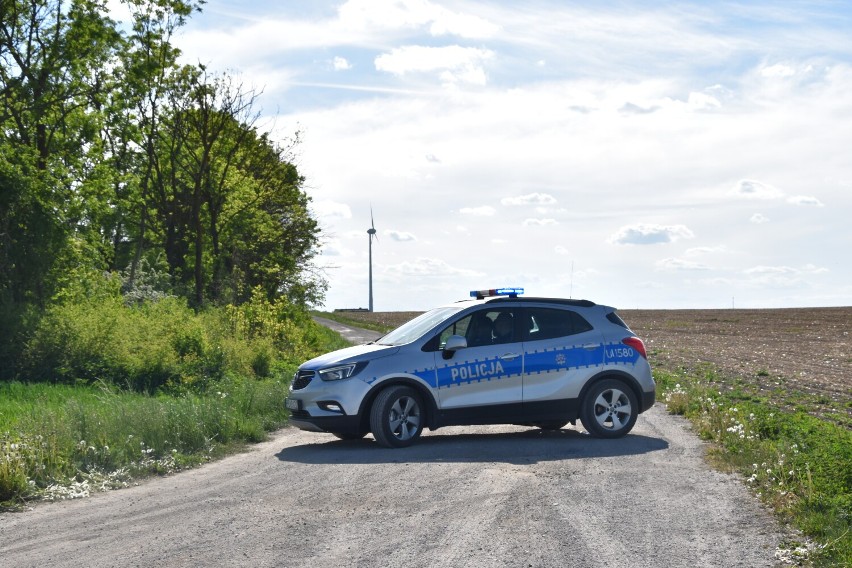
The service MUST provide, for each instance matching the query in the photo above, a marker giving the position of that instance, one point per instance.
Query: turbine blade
(374, 234)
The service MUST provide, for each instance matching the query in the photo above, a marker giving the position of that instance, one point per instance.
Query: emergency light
(482, 294)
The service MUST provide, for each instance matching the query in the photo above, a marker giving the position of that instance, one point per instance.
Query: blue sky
(642, 155)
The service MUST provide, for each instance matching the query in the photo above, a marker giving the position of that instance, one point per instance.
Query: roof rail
(562, 301)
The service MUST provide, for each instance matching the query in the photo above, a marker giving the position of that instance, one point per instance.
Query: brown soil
(803, 349)
(807, 350)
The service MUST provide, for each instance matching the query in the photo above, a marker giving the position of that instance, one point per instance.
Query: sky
(636, 154)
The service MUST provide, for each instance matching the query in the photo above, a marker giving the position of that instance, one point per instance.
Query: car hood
(356, 353)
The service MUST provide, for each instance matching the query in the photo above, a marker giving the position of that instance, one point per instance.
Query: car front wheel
(609, 409)
(396, 418)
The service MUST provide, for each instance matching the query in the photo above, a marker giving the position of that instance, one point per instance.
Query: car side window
(549, 323)
(485, 327)
(459, 327)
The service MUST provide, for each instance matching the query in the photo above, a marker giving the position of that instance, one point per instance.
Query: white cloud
(118, 11)
(778, 70)
(806, 269)
(702, 101)
(462, 25)
(335, 248)
(698, 251)
(539, 222)
(783, 276)
(455, 63)
(807, 200)
(341, 64)
(751, 189)
(559, 249)
(530, 199)
(429, 267)
(649, 234)
(680, 264)
(331, 210)
(400, 236)
(483, 211)
(412, 14)
(759, 219)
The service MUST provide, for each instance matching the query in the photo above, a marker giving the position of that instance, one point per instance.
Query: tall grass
(797, 463)
(58, 441)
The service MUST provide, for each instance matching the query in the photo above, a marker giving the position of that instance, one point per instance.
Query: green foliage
(91, 334)
(800, 464)
(61, 441)
(115, 159)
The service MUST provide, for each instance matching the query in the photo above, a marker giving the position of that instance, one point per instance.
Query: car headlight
(341, 371)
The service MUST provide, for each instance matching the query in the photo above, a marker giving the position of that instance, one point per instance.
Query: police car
(497, 358)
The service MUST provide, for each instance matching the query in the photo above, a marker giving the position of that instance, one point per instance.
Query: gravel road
(476, 496)
(354, 335)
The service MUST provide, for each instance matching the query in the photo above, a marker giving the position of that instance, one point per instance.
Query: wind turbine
(371, 234)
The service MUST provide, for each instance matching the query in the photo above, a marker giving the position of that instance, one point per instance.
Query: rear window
(547, 323)
(613, 317)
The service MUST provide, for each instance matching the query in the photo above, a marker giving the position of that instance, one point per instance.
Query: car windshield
(408, 332)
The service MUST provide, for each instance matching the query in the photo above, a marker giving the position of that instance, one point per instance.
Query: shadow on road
(530, 446)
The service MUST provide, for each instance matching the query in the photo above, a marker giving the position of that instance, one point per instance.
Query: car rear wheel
(396, 418)
(609, 409)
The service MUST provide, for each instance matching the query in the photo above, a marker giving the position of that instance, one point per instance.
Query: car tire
(609, 409)
(396, 417)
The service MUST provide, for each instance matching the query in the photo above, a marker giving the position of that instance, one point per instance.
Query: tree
(53, 59)
(231, 206)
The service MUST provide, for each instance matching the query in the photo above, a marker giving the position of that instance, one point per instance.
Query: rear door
(561, 352)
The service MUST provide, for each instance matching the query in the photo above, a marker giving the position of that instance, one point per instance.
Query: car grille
(302, 379)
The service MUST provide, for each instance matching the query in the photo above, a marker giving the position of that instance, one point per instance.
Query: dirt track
(478, 497)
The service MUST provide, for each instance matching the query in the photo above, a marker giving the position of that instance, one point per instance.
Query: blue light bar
(511, 292)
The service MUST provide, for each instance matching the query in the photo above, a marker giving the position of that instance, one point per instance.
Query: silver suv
(495, 359)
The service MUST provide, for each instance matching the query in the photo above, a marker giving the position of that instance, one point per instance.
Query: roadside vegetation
(111, 392)
(798, 464)
(155, 253)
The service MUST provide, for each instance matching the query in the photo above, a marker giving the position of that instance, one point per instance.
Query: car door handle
(509, 356)
(591, 346)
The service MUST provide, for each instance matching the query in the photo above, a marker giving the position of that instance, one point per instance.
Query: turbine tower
(371, 234)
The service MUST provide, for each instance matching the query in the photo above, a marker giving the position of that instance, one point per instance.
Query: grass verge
(63, 441)
(798, 464)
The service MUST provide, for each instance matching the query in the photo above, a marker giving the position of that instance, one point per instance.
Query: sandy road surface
(354, 335)
(478, 496)
(483, 496)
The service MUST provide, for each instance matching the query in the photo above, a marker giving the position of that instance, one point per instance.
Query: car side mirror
(453, 344)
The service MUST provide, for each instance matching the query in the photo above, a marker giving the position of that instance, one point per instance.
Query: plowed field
(803, 350)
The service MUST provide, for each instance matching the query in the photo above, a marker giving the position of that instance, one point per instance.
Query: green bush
(110, 389)
(91, 334)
